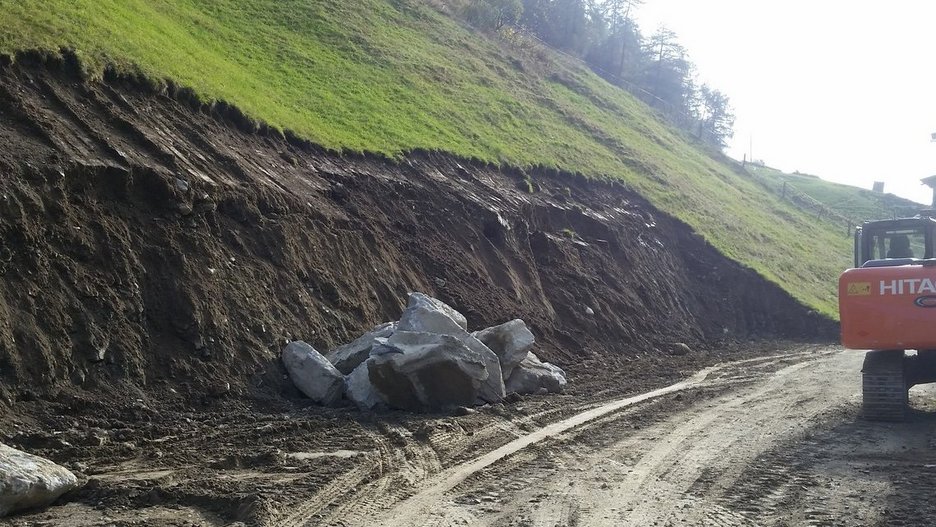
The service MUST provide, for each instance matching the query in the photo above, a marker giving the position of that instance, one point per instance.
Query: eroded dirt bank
(144, 242)
(155, 257)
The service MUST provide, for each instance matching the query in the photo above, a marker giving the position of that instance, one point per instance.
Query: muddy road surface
(773, 439)
(763, 442)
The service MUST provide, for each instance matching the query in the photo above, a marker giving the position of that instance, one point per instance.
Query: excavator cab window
(902, 243)
(895, 240)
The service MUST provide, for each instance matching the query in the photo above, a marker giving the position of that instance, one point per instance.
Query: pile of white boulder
(426, 361)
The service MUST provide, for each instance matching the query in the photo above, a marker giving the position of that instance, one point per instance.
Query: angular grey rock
(510, 341)
(313, 374)
(493, 389)
(428, 315)
(532, 375)
(361, 391)
(28, 481)
(349, 356)
(421, 371)
(424, 313)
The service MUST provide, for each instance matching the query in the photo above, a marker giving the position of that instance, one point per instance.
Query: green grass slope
(855, 203)
(390, 76)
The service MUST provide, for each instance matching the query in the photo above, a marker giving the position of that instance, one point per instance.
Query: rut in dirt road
(763, 443)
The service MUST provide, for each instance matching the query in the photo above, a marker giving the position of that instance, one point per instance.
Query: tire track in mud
(400, 463)
(405, 464)
(688, 472)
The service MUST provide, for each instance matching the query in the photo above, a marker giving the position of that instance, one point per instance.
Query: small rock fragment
(532, 374)
(679, 348)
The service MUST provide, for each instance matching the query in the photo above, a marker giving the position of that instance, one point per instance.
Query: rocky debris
(348, 357)
(532, 376)
(313, 374)
(422, 371)
(426, 361)
(360, 390)
(510, 341)
(28, 481)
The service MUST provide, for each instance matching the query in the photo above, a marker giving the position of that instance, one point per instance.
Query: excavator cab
(883, 240)
(887, 304)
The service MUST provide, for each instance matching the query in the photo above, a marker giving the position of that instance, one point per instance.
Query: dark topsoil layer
(156, 256)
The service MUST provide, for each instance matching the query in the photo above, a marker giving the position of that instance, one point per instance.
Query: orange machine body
(888, 307)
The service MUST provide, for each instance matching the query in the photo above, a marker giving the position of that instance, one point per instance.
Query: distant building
(878, 187)
(931, 182)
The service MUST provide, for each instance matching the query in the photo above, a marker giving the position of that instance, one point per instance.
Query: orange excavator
(887, 304)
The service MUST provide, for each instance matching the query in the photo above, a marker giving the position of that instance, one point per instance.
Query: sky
(845, 90)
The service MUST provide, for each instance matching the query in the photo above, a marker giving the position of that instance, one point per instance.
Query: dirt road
(763, 442)
(772, 440)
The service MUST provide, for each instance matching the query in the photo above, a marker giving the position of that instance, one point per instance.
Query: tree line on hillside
(604, 34)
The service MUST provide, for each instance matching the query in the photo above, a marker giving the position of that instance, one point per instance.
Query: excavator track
(884, 388)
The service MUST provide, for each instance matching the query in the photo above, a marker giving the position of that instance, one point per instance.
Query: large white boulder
(349, 356)
(313, 374)
(421, 371)
(430, 315)
(361, 391)
(427, 315)
(532, 375)
(510, 341)
(28, 481)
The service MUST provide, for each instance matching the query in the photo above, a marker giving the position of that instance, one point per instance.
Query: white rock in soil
(431, 315)
(422, 371)
(349, 356)
(313, 374)
(510, 341)
(361, 391)
(532, 375)
(28, 481)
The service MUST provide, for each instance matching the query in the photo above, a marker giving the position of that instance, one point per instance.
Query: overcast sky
(845, 90)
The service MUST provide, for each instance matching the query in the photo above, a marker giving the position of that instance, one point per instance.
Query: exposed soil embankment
(147, 241)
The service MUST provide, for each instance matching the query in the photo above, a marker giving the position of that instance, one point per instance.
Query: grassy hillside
(391, 76)
(855, 203)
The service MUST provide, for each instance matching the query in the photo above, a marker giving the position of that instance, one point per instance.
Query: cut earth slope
(148, 242)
